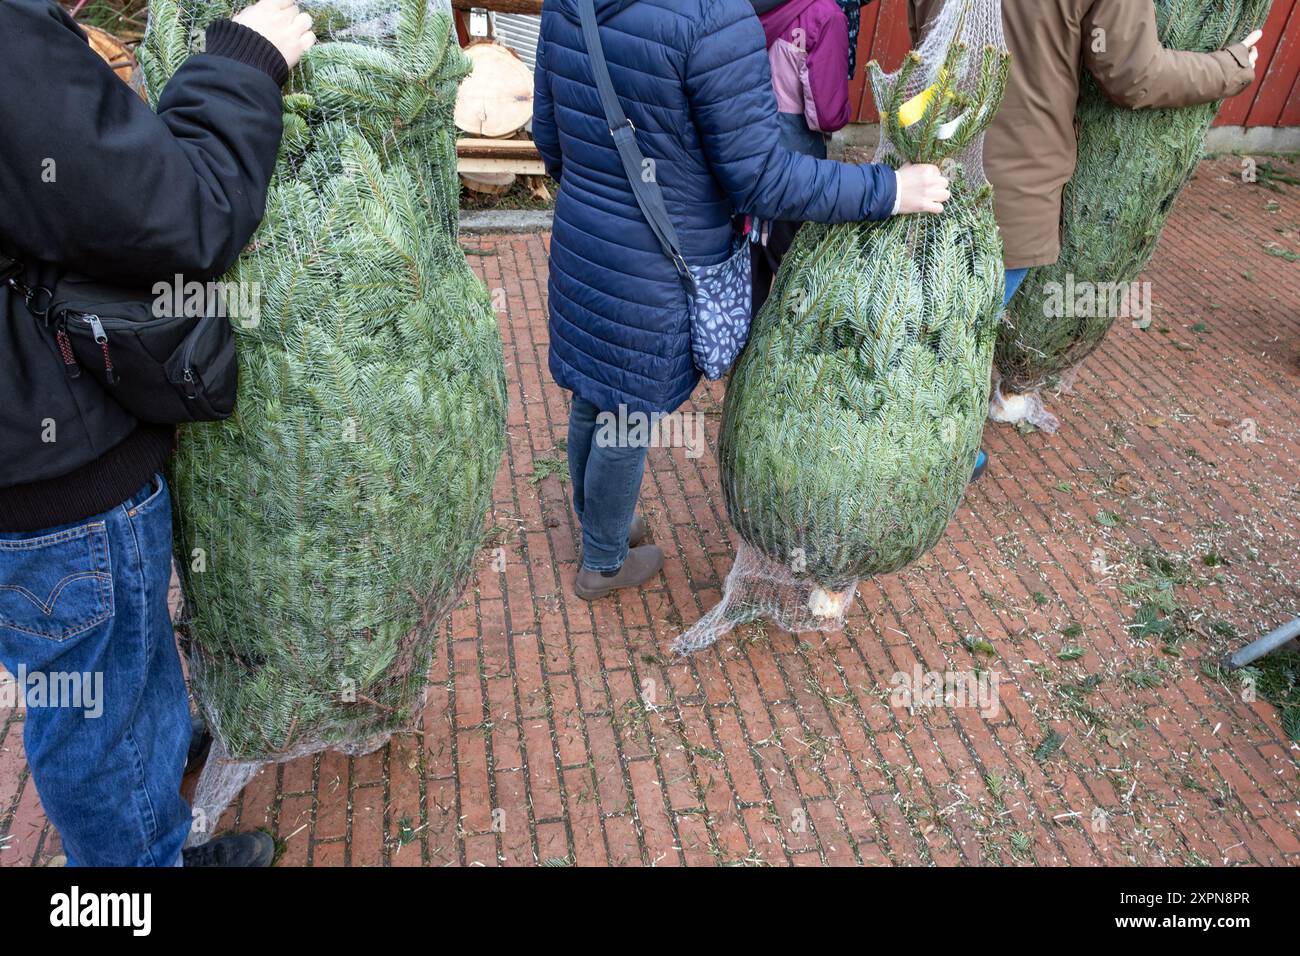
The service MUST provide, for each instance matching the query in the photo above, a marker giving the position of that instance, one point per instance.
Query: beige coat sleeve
(1122, 50)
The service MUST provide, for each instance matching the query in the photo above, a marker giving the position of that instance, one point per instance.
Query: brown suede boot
(641, 565)
(637, 533)
(636, 536)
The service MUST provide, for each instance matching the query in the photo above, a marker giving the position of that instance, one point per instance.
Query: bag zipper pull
(97, 329)
(70, 366)
(191, 383)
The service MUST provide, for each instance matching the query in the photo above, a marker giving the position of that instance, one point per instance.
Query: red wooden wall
(1274, 100)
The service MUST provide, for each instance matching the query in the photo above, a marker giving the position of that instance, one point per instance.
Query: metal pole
(1265, 645)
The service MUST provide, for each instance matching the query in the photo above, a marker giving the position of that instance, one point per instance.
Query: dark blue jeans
(1015, 277)
(605, 470)
(85, 628)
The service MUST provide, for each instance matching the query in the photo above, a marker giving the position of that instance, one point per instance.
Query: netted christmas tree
(1133, 164)
(325, 530)
(853, 418)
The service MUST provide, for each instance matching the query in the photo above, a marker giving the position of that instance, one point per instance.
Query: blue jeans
(83, 608)
(605, 470)
(1014, 279)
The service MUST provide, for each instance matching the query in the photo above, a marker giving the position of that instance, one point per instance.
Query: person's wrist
(244, 44)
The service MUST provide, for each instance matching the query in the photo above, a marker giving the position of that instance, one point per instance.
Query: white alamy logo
(626, 429)
(78, 690)
(241, 301)
(74, 908)
(1073, 299)
(977, 690)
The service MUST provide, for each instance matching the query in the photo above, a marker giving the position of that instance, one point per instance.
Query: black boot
(255, 849)
(200, 744)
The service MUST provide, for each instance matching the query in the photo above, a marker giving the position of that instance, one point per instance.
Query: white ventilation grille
(519, 32)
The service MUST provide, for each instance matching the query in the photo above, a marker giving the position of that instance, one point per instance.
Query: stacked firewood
(494, 109)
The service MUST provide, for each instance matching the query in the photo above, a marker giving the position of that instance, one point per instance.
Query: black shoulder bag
(162, 368)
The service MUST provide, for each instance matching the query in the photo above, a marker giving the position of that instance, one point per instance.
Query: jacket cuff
(1238, 74)
(892, 175)
(237, 42)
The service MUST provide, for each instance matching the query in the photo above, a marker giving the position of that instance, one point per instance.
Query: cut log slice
(489, 183)
(496, 99)
(115, 53)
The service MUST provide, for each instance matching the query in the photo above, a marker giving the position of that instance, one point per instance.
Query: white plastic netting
(950, 88)
(325, 530)
(1027, 407)
(852, 421)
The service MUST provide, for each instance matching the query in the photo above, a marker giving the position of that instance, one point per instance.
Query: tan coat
(1031, 149)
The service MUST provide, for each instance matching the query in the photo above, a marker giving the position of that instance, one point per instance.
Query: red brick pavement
(558, 730)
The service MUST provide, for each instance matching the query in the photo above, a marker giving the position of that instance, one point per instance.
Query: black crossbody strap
(649, 196)
(9, 268)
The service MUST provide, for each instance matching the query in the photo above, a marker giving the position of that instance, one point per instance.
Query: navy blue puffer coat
(693, 77)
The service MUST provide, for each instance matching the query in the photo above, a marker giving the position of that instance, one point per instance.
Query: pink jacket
(808, 47)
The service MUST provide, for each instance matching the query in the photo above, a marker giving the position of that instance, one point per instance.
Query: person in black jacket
(93, 181)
